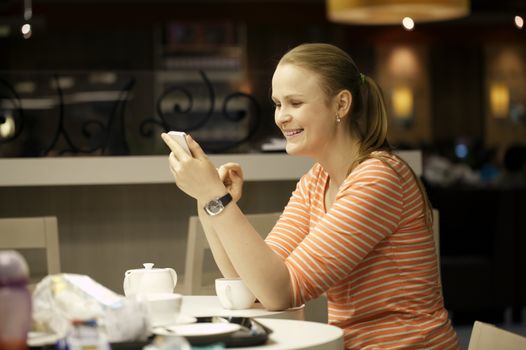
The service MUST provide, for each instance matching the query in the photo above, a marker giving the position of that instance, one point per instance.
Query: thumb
(195, 148)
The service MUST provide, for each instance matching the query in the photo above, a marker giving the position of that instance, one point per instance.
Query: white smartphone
(179, 137)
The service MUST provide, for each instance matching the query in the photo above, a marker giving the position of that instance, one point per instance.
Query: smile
(290, 133)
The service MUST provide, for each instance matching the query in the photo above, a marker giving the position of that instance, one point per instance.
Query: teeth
(292, 132)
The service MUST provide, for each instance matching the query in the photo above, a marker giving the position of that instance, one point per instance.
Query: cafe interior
(87, 87)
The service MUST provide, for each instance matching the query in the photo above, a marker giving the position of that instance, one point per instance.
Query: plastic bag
(62, 298)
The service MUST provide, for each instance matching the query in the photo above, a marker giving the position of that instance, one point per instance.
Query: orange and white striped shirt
(371, 252)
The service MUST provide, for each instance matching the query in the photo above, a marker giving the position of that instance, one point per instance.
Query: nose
(281, 116)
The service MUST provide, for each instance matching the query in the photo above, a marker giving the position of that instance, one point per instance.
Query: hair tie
(362, 78)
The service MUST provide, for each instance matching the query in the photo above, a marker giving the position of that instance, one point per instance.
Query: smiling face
(303, 113)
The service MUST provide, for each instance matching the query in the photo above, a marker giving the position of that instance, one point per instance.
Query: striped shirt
(371, 253)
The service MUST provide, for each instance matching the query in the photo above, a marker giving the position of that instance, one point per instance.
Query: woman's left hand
(194, 174)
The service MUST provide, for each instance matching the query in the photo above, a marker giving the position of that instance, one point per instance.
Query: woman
(358, 225)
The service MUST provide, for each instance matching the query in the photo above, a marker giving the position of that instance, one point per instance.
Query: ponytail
(368, 120)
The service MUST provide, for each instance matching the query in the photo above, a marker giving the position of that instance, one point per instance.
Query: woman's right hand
(232, 177)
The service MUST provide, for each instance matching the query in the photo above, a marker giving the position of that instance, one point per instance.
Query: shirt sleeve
(366, 210)
(293, 225)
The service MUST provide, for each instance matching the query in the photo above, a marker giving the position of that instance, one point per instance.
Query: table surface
(208, 305)
(294, 334)
(289, 331)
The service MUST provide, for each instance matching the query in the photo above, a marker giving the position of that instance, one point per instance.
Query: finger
(222, 171)
(195, 148)
(237, 171)
(173, 163)
(177, 150)
(234, 167)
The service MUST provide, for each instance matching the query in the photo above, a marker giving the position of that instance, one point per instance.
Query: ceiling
(481, 10)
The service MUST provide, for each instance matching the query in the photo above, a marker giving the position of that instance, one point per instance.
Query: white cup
(163, 308)
(233, 294)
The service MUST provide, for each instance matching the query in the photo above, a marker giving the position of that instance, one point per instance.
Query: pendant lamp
(377, 12)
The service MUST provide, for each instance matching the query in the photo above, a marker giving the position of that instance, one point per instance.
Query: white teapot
(149, 280)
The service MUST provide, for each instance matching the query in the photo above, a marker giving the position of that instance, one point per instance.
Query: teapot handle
(174, 276)
(126, 283)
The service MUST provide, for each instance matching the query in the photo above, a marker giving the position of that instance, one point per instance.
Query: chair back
(32, 233)
(199, 279)
(485, 336)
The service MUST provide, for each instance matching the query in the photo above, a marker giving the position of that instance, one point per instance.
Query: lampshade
(376, 12)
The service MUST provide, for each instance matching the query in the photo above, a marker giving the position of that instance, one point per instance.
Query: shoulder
(380, 167)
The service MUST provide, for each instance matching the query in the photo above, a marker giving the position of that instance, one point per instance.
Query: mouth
(292, 132)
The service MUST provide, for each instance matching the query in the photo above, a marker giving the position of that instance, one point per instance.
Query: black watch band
(216, 206)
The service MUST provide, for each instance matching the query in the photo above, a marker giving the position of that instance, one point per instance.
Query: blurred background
(92, 78)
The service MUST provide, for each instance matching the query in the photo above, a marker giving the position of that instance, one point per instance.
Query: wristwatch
(216, 206)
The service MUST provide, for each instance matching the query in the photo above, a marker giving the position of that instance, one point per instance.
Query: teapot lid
(148, 266)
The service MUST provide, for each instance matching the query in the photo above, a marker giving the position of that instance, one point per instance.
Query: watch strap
(216, 206)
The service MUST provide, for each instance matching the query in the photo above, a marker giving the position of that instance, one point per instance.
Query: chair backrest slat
(33, 232)
(197, 245)
(485, 336)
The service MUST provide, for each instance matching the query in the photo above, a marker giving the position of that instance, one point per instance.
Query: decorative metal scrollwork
(107, 133)
(115, 125)
(196, 121)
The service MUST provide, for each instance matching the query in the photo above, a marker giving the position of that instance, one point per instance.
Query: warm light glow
(403, 63)
(408, 23)
(402, 100)
(519, 22)
(499, 97)
(392, 11)
(7, 128)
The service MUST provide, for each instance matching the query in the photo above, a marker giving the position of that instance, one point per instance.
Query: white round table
(289, 330)
(208, 305)
(305, 335)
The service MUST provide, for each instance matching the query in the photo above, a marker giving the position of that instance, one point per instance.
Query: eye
(277, 105)
(296, 103)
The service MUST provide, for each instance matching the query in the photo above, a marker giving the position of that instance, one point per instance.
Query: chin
(294, 150)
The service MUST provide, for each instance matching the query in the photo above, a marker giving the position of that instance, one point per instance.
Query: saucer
(181, 319)
(199, 333)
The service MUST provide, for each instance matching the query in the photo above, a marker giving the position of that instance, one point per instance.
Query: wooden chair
(198, 277)
(488, 337)
(32, 233)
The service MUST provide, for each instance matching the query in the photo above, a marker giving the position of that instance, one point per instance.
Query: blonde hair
(367, 117)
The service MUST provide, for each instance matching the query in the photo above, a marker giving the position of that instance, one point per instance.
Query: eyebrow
(288, 97)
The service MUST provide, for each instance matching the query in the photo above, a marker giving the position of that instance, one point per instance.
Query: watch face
(214, 207)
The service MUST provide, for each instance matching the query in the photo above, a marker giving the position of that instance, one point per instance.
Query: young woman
(358, 225)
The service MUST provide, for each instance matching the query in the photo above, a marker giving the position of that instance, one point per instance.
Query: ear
(343, 103)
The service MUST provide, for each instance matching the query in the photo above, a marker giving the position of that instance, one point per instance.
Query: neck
(338, 161)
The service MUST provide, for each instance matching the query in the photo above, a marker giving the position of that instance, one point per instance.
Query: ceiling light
(408, 23)
(393, 11)
(519, 22)
(26, 30)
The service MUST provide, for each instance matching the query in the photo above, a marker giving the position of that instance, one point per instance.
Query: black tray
(251, 333)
